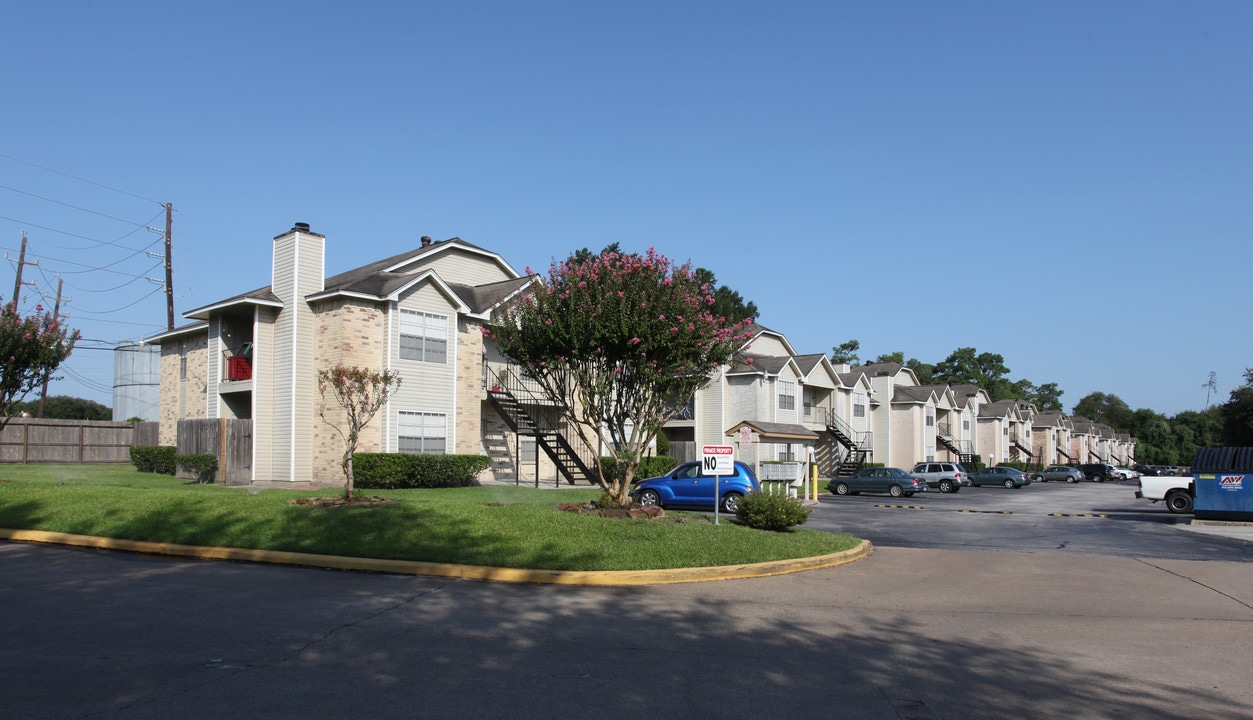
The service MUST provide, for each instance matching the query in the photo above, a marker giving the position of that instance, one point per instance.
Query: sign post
(717, 460)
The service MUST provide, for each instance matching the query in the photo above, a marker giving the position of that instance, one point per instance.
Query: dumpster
(1223, 478)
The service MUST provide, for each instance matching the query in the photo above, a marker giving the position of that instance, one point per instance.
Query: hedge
(202, 465)
(650, 467)
(382, 471)
(154, 458)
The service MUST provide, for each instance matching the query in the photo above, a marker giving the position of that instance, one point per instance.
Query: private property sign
(717, 460)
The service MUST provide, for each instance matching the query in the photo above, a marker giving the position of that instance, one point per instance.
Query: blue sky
(1067, 184)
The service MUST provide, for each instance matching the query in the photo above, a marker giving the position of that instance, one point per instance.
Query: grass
(499, 526)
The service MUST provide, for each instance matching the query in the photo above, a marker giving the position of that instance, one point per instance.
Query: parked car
(1098, 472)
(947, 477)
(1126, 473)
(893, 481)
(1150, 470)
(1058, 472)
(685, 486)
(1000, 475)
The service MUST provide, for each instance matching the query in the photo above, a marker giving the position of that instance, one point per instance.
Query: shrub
(383, 471)
(651, 466)
(771, 512)
(202, 465)
(154, 458)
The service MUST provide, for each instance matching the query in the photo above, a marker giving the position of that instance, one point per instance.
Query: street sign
(717, 460)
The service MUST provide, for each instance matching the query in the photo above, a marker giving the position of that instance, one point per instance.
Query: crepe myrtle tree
(360, 392)
(32, 347)
(618, 342)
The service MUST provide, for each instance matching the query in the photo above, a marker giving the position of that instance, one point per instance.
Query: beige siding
(263, 377)
(712, 420)
(427, 387)
(767, 345)
(461, 266)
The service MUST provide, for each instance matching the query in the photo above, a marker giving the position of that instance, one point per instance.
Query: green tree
(359, 392)
(966, 366)
(897, 357)
(31, 349)
(1237, 414)
(846, 353)
(1105, 408)
(613, 341)
(65, 407)
(727, 302)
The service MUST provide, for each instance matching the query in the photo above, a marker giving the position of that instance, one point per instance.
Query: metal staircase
(857, 445)
(511, 395)
(960, 449)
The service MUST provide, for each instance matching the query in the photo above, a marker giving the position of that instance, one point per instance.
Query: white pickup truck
(1176, 491)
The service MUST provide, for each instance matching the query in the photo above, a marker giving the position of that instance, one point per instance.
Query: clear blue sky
(1068, 184)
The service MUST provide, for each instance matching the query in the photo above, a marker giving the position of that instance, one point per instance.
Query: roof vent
(426, 241)
(300, 227)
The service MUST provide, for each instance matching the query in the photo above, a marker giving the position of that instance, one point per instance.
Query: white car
(1126, 473)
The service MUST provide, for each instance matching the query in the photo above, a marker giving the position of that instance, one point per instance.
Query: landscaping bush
(771, 512)
(650, 467)
(1016, 465)
(154, 458)
(382, 471)
(202, 465)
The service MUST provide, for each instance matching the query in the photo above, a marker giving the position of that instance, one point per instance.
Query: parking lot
(1082, 519)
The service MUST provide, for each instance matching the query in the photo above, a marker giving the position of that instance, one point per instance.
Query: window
(423, 433)
(787, 395)
(859, 405)
(930, 418)
(526, 448)
(423, 337)
(808, 399)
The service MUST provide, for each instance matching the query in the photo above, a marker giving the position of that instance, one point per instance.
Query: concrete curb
(468, 572)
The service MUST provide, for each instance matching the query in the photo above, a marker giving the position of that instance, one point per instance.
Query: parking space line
(901, 507)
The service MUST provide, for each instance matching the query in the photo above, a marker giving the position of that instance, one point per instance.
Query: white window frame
(428, 332)
(859, 404)
(422, 433)
(787, 395)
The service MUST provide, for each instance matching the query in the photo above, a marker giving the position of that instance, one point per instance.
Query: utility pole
(21, 261)
(56, 315)
(169, 268)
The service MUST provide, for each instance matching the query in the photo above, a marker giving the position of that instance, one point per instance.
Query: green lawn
(498, 526)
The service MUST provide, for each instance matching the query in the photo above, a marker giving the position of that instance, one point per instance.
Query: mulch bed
(649, 512)
(339, 501)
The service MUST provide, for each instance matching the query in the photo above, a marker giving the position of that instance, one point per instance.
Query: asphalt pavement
(905, 633)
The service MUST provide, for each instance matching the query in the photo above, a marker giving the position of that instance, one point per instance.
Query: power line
(81, 237)
(74, 177)
(68, 205)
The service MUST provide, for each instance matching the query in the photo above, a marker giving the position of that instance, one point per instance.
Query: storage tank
(136, 381)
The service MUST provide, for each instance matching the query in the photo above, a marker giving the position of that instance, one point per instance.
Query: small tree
(360, 392)
(618, 342)
(31, 348)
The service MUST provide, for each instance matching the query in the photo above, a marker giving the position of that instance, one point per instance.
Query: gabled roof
(1049, 418)
(767, 365)
(384, 279)
(773, 431)
(999, 409)
(913, 394)
(189, 329)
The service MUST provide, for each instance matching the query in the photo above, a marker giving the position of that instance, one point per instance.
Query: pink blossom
(674, 329)
(548, 321)
(635, 341)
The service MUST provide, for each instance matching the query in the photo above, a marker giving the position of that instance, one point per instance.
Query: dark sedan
(1000, 475)
(893, 481)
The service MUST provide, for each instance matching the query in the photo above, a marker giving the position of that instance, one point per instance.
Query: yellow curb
(469, 572)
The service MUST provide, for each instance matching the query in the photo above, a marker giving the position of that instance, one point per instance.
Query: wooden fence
(229, 440)
(89, 442)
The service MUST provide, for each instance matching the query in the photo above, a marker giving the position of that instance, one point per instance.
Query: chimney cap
(426, 241)
(300, 227)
